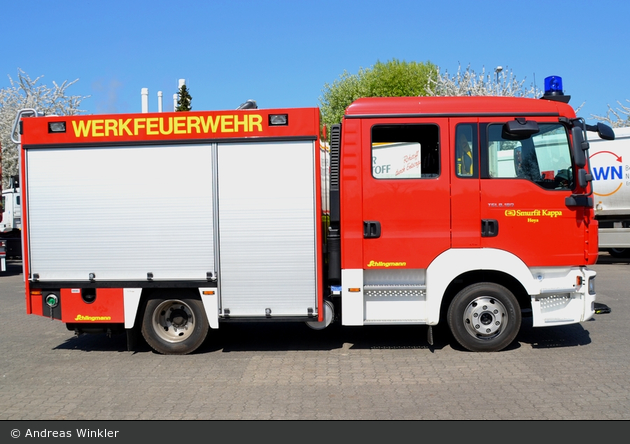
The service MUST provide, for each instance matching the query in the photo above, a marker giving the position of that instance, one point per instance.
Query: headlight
(591, 286)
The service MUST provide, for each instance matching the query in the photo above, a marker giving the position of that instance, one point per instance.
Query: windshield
(544, 158)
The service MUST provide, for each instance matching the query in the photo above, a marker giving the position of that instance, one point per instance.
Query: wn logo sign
(603, 173)
(610, 173)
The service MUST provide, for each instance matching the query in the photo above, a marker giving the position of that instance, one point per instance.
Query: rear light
(3, 255)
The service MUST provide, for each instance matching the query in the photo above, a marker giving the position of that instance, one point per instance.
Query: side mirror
(519, 129)
(605, 132)
(577, 147)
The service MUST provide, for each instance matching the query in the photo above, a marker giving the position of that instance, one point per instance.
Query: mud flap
(601, 308)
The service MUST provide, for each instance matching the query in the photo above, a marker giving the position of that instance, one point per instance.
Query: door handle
(489, 227)
(371, 229)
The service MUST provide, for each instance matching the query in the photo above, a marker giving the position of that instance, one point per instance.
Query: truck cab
(464, 208)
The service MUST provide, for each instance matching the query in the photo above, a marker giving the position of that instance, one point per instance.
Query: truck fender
(454, 262)
(210, 300)
(131, 297)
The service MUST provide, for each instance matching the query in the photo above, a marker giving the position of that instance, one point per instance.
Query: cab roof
(456, 106)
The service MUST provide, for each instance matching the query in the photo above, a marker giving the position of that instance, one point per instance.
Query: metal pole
(145, 100)
(497, 70)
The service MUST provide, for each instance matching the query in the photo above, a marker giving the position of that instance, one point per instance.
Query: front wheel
(174, 325)
(484, 317)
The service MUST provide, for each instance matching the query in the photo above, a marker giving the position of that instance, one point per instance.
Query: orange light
(354, 290)
(208, 292)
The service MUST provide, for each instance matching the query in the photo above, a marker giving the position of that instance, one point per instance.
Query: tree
(469, 83)
(393, 78)
(27, 93)
(396, 78)
(621, 116)
(183, 99)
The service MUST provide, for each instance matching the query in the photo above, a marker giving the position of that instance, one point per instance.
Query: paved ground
(284, 372)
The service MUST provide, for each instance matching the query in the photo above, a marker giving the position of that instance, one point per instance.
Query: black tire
(619, 253)
(484, 317)
(174, 324)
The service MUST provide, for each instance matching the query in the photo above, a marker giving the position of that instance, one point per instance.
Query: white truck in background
(610, 169)
(11, 222)
(11, 208)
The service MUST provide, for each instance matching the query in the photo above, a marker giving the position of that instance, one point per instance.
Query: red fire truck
(465, 210)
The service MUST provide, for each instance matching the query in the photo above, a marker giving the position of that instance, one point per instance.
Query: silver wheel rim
(329, 313)
(173, 321)
(485, 317)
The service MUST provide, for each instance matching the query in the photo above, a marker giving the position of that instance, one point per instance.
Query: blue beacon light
(553, 90)
(553, 86)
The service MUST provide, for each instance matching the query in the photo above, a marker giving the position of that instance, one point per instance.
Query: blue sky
(281, 53)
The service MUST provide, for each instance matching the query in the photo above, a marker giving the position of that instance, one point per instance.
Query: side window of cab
(466, 150)
(405, 151)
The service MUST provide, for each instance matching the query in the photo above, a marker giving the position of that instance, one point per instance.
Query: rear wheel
(484, 317)
(174, 325)
(619, 253)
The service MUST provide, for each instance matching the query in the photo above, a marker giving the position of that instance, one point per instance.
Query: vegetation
(183, 99)
(29, 93)
(392, 78)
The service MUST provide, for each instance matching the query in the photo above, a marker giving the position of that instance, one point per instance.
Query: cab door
(406, 210)
(466, 223)
(524, 190)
